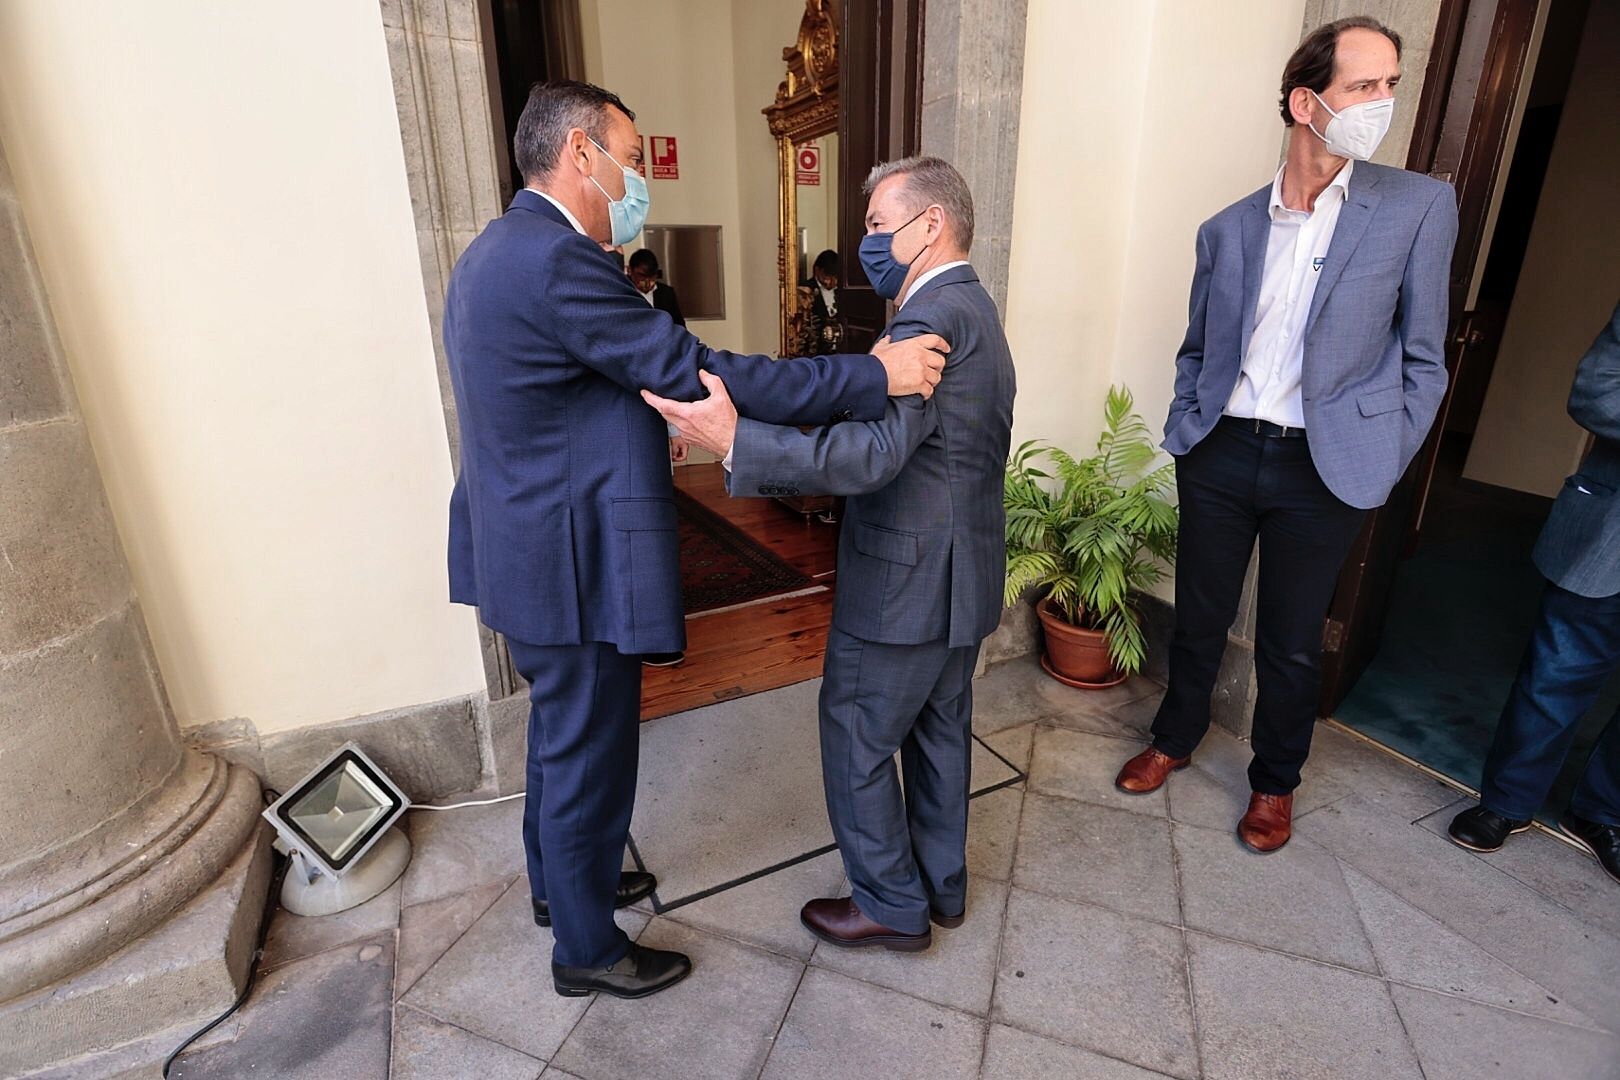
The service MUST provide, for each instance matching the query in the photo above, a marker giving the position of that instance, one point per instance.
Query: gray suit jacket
(1374, 370)
(922, 555)
(1579, 549)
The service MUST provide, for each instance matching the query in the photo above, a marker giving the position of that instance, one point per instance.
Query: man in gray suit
(1575, 646)
(921, 561)
(1312, 368)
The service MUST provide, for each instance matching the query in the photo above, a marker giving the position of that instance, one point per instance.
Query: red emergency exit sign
(665, 162)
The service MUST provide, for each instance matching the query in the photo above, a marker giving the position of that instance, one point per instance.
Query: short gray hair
(930, 181)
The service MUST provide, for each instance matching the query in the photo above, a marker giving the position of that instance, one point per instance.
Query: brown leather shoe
(1147, 771)
(840, 922)
(1268, 823)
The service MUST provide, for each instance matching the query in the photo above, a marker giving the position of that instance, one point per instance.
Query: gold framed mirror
(804, 121)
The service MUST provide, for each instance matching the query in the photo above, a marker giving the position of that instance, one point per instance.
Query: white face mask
(1356, 131)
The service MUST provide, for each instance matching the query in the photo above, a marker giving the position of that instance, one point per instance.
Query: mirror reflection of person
(648, 278)
(821, 328)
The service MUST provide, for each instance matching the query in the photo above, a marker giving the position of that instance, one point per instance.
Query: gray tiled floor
(1106, 937)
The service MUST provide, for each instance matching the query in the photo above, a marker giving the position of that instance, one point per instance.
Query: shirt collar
(916, 286)
(572, 220)
(1341, 181)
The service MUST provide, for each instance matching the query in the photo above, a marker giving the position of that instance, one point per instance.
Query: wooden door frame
(1477, 63)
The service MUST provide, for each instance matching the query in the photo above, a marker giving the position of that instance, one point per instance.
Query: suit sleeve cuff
(871, 391)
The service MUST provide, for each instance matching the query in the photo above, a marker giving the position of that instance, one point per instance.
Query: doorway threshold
(1435, 774)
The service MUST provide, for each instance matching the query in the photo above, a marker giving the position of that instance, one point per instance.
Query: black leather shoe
(948, 922)
(1603, 841)
(1479, 829)
(633, 885)
(640, 973)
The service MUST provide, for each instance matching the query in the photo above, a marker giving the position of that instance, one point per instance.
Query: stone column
(973, 91)
(107, 825)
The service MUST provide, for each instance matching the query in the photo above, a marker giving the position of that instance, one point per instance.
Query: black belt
(1250, 426)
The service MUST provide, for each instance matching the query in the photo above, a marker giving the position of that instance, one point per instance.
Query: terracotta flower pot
(1074, 655)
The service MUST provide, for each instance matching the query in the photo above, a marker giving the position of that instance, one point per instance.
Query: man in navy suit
(562, 522)
(921, 563)
(1313, 365)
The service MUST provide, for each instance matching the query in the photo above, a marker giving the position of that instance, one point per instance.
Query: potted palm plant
(1088, 534)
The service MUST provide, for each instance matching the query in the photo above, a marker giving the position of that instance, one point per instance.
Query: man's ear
(1302, 106)
(574, 147)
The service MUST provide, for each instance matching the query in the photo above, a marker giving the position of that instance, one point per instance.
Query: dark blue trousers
(903, 853)
(584, 747)
(1574, 649)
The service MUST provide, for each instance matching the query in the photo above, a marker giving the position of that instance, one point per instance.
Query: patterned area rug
(721, 566)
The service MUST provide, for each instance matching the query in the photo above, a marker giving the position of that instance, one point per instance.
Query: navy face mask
(877, 259)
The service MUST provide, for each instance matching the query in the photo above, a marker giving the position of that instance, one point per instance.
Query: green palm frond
(1091, 533)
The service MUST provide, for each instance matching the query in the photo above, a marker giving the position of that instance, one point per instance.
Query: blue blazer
(1579, 549)
(922, 555)
(562, 522)
(1375, 368)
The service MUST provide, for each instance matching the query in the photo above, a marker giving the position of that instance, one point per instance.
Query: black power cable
(270, 905)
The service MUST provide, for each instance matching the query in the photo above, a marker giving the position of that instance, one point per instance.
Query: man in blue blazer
(1312, 369)
(921, 562)
(562, 522)
(1575, 646)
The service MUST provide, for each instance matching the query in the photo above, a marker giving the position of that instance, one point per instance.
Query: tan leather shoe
(1147, 771)
(840, 922)
(1268, 823)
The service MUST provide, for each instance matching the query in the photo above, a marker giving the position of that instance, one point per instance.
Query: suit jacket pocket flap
(1381, 401)
(886, 544)
(1388, 265)
(635, 515)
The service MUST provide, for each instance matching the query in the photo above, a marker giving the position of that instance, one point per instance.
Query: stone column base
(101, 1021)
(77, 904)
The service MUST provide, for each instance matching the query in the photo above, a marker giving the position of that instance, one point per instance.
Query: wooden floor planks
(762, 646)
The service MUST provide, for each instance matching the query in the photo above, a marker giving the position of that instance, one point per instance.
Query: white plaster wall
(219, 204)
(1567, 287)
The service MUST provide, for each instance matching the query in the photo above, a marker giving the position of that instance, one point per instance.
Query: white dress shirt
(930, 276)
(572, 220)
(1296, 248)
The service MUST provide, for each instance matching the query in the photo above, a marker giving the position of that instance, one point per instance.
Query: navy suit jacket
(562, 522)
(1579, 549)
(922, 555)
(1375, 336)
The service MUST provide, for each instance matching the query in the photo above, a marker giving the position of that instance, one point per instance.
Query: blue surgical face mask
(877, 259)
(629, 214)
